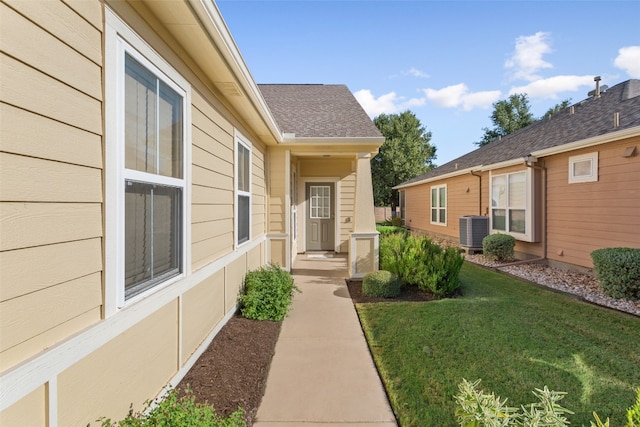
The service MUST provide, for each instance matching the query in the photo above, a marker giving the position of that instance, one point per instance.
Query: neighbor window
(583, 168)
(146, 132)
(243, 191)
(511, 204)
(439, 205)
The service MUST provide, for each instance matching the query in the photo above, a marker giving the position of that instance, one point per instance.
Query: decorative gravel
(581, 284)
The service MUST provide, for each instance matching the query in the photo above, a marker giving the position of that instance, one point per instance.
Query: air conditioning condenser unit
(472, 230)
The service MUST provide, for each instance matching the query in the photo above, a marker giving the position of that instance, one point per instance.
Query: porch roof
(318, 111)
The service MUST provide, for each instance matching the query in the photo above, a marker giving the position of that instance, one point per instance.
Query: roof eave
(213, 24)
(589, 142)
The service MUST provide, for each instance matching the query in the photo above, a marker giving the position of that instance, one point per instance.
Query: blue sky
(447, 61)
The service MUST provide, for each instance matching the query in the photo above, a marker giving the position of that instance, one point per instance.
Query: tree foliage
(509, 115)
(406, 153)
(557, 108)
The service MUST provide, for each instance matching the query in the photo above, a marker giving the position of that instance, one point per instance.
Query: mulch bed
(233, 371)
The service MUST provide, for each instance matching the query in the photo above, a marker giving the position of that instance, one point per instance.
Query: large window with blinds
(512, 204)
(153, 175)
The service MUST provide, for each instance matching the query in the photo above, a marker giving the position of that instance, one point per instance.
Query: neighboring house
(563, 186)
(143, 173)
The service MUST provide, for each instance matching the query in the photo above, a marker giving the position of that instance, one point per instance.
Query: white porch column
(364, 240)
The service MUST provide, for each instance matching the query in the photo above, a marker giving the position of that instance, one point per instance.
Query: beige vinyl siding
(140, 361)
(212, 184)
(586, 216)
(51, 174)
(202, 309)
(277, 191)
(28, 411)
(346, 216)
(258, 192)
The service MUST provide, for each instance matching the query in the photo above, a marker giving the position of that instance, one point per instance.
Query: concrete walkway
(322, 372)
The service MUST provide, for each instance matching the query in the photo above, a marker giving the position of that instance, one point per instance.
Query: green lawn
(514, 336)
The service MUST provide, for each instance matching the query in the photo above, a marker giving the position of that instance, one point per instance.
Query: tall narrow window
(439, 205)
(243, 191)
(511, 206)
(153, 178)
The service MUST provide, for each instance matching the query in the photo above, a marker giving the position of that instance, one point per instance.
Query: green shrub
(498, 247)
(618, 271)
(381, 284)
(177, 411)
(386, 230)
(419, 262)
(396, 221)
(479, 409)
(267, 293)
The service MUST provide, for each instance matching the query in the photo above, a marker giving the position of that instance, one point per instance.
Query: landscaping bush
(618, 271)
(479, 409)
(396, 221)
(498, 247)
(175, 411)
(381, 284)
(386, 230)
(267, 293)
(418, 261)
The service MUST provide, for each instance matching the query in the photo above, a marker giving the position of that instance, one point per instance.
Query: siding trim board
(28, 376)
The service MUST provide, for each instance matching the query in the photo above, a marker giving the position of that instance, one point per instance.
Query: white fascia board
(213, 23)
(288, 139)
(589, 142)
(505, 164)
(439, 177)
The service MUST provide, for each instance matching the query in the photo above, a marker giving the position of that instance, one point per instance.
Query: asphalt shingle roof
(591, 117)
(318, 111)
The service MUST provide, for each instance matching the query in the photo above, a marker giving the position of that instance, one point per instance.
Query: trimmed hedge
(267, 293)
(381, 284)
(498, 247)
(618, 271)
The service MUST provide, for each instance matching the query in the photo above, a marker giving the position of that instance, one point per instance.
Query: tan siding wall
(202, 309)
(93, 387)
(587, 216)
(277, 195)
(258, 192)
(212, 183)
(30, 411)
(51, 174)
(365, 258)
(346, 214)
(462, 200)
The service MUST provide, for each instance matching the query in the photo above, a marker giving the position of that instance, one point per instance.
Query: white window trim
(119, 38)
(528, 236)
(437, 207)
(593, 177)
(241, 139)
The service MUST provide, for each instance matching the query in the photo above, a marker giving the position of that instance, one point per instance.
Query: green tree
(509, 115)
(556, 108)
(406, 153)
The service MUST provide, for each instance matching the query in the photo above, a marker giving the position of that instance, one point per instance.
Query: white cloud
(628, 59)
(417, 73)
(388, 103)
(527, 60)
(459, 96)
(551, 87)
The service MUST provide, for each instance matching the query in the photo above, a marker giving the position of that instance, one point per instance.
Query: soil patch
(408, 293)
(233, 371)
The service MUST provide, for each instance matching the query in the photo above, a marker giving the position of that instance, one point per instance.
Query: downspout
(479, 191)
(529, 162)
